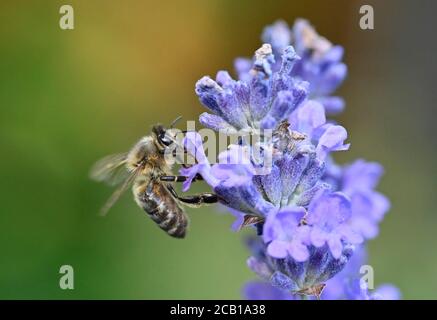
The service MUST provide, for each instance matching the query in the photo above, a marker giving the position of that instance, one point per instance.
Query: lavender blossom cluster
(312, 215)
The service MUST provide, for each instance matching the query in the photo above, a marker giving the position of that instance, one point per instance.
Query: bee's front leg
(197, 199)
(200, 199)
(179, 178)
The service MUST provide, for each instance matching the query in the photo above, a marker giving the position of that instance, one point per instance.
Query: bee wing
(110, 169)
(119, 191)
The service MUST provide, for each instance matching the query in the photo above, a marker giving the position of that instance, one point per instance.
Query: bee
(145, 169)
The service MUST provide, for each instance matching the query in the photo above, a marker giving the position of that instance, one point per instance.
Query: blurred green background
(68, 98)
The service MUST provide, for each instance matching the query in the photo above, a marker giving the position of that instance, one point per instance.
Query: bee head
(161, 135)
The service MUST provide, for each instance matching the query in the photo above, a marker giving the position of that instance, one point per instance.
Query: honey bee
(145, 168)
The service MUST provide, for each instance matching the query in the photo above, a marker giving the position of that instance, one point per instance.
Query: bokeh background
(68, 98)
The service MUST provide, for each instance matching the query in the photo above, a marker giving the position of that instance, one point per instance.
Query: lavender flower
(320, 62)
(297, 278)
(344, 290)
(266, 100)
(346, 285)
(325, 223)
(306, 235)
(368, 206)
(261, 101)
(310, 214)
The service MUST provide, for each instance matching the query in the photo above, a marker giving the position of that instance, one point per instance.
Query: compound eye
(165, 140)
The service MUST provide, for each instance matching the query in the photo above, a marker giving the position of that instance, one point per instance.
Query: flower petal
(335, 246)
(277, 249)
(331, 140)
(298, 251)
(216, 123)
(280, 280)
(278, 35)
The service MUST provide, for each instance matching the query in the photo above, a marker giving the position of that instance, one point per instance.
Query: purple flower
(310, 213)
(261, 101)
(293, 180)
(192, 142)
(348, 284)
(285, 235)
(296, 277)
(350, 290)
(345, 285)
(358, 181)
(387, 292)
(294, 175)
(319, 64)
(265, 99)
(328, 217)
(304, 249)
(310, 119)
(289, 231)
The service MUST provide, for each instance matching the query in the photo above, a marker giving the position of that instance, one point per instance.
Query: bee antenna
(174, 121)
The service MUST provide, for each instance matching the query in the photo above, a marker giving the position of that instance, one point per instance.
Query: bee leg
(179, 178)
(173, 178)
(199, 199)
(196, 200)
(173, 153)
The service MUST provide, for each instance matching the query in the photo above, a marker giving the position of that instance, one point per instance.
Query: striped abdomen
(160, 205)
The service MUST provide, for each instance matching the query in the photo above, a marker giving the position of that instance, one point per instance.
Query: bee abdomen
(163, 210)
(173, 222)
